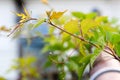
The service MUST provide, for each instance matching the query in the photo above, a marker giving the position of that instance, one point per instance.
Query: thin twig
(27, 20)
(18, 25)
(113, 53)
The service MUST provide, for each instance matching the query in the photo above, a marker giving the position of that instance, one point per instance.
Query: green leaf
(64, 19)
(115, 38)
(108, 36)
(82, 16)
(88, 24)
(79, 15)
(84, 62)
(108, 27)
(85, 59)
(72, 27)
(101, 19)
(95, 54)
(39, 22)
(117, 49)
(62, 75)
(47, 64)
(51, 30)
(72, 65)
(91, 15)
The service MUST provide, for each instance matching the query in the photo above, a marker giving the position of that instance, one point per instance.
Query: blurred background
(12, 49)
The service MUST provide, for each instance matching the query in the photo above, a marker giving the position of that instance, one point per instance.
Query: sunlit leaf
(51, 30)
(82, 16)
(3, 28)
(84, 62)
(101, 19)
(82, 49)
(91, 15)
(26, 12)
(44, 1)
(115, 38)
(79, 15)
(95, 53)
(72, 27)
(24, 16)
(56, 15)
(64, 19)
(88, 24)
(108, 27)
(110, 45)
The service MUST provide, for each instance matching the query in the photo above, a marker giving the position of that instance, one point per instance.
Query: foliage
(1, 78)
(26, 67)
(78, 41)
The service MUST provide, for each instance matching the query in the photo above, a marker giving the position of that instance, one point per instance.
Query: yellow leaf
(82, 49)
(110, 45)
(22, 20)
(88, 24)
(1, 78)
(65, 36)
(108, 27)
(56, 15)
(48, 13)
(44, 1)
(24, 16)
(90, 34)
(72, 27)
(3, 28)
(101, 19)
(19, 14)
(26, 12)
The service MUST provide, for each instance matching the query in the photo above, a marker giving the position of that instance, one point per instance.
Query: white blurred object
(8, 47)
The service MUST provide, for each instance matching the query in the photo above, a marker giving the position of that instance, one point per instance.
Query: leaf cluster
(77, 40)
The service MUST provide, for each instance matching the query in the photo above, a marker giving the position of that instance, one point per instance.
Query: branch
(113, 53)
(79, 37)
(18, 25)
(82, 39)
